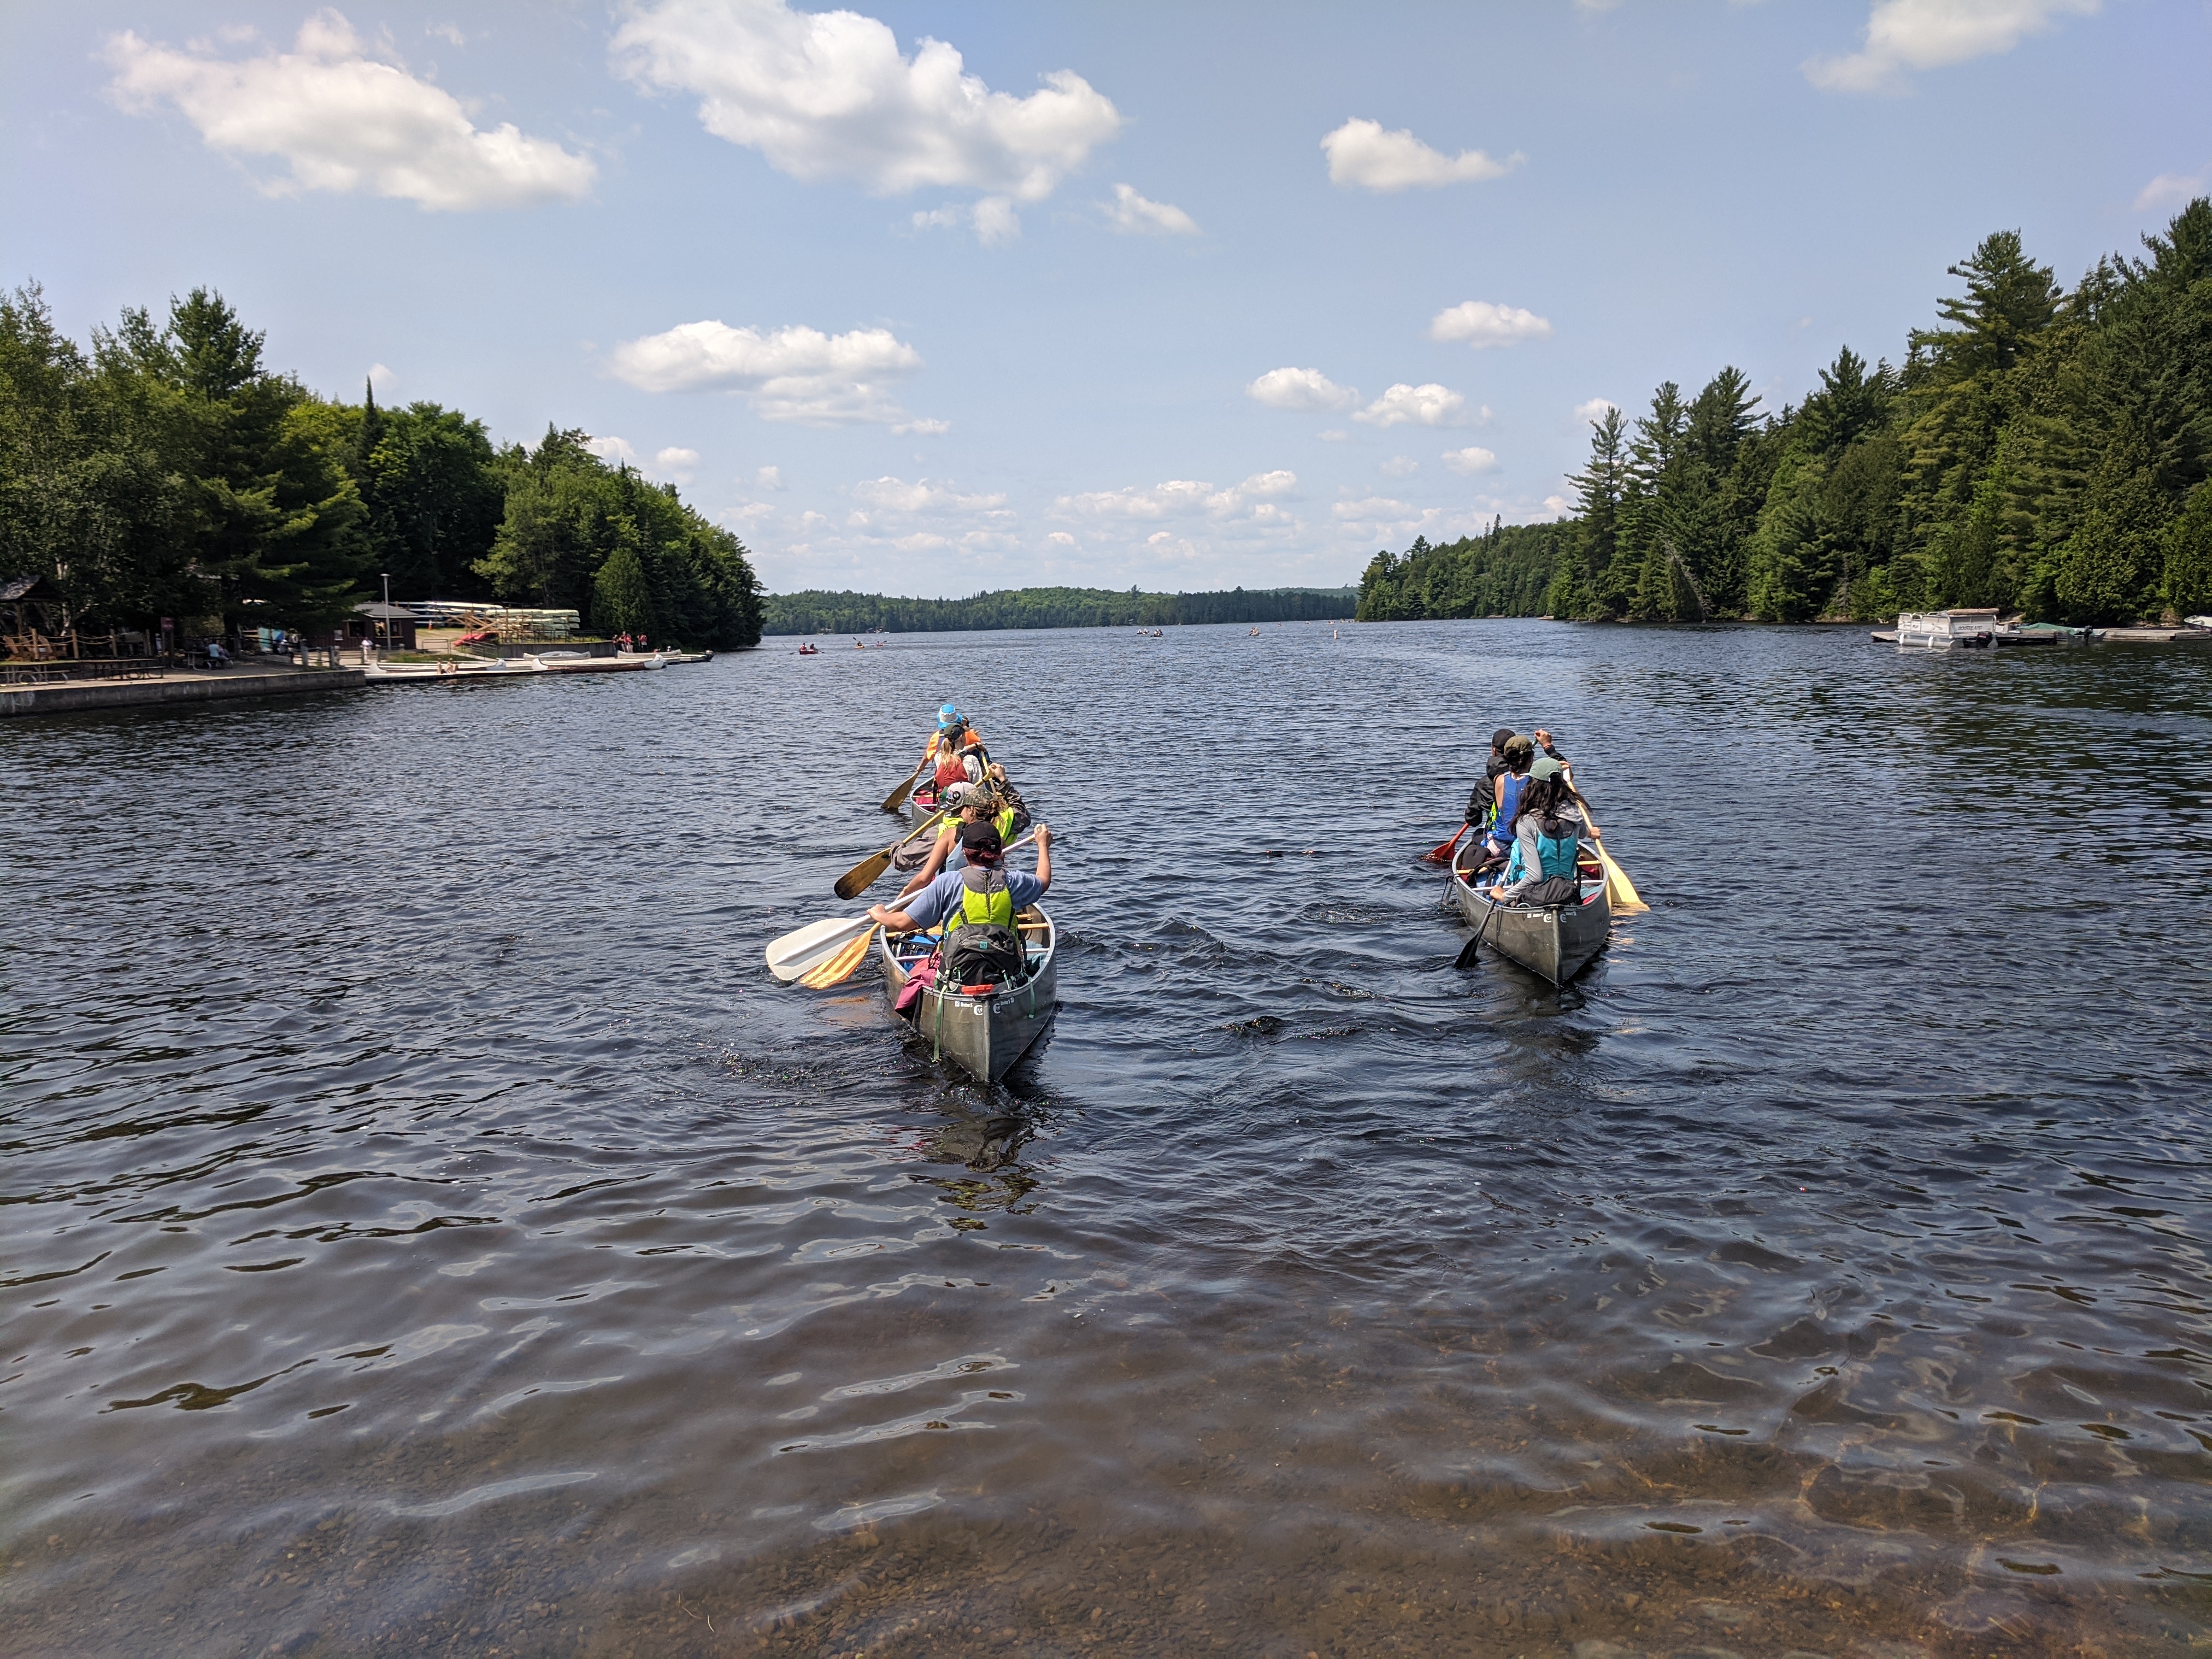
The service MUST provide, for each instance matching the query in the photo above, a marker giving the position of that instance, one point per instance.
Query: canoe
(448, 672)
(985, 1030)
(920, 810)
(1557, 944)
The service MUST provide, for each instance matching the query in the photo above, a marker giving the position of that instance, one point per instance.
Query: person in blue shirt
(986, 891)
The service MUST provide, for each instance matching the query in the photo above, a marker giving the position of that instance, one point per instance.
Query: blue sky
(1179, 296)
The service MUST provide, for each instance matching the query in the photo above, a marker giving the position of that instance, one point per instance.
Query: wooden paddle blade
(1442, 852)
(840, 968)
(896, 798)
(804, 948)
(1619, 892)
(863, 875)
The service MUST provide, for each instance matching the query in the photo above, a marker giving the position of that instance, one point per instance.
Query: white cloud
(1135, 215)
(1471, 460)
(381, 377)
(1255, 499)
(675, 463)
(1594, 410)
(1558, 506)
(897, 496)
(1376, 509)
(770, 478)
(993, 219)
(1299, 389)
(1336, 435)
(343, 121)
(996, 222)
(795, 374)
(2170, 188)
(1060, 538)
(1924, 34)
(1361, 152)
(612, 449)
(921, 429)
(1417, 405)
(450, 32)
(1400, 467)
(829, 94)
(1481, 324)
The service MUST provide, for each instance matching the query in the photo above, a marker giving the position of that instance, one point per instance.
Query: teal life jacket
(1555, 853)
(984, 898)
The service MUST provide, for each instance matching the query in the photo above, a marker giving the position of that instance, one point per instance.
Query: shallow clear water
(428, 1224)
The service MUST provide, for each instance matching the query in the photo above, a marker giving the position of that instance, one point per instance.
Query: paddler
(971, 803)
(986, 891)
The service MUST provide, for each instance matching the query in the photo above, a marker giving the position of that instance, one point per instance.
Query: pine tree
(2188, 584)
(1577, 583)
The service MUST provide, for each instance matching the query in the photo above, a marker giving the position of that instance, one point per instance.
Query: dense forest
(1052, 607)
(168, 472)
(2038, 449)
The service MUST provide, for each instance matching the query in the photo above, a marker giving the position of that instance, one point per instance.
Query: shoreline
(74, 696)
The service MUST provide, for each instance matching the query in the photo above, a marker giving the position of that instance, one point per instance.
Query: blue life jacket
(1501, 825)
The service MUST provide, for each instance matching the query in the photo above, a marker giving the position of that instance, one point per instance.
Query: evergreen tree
(1579, 585)
(2188, 581)
(620, 600)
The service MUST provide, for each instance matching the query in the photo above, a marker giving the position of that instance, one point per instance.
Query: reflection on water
(428, 1224)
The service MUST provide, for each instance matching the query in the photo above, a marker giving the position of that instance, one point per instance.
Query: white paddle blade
(812, 945)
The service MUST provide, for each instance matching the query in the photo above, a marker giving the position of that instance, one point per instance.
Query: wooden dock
(178, 686)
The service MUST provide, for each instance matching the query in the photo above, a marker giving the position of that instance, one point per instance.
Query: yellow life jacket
(985, 897)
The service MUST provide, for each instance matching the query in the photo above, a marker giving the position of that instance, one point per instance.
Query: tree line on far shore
(167, 471)
(816, 612)
(2039, 450)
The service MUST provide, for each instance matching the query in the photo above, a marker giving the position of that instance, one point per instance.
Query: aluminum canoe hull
(984, 1036)
(1555, 944)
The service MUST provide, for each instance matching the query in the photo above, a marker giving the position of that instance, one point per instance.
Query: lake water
(428, 1228)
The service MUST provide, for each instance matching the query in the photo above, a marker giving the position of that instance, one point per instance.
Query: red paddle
(1441, 853)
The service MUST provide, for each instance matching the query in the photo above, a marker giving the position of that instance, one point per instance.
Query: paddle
(804, 949)
(864, 874)
(1617, 887)
(836, 970)
(896, 798)
(1441, 853)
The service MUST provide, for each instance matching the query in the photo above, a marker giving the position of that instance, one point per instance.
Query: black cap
(981, 836)
(1498, 738)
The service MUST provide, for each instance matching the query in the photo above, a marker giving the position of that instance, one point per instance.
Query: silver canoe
(1558, 944)
(984, 1031)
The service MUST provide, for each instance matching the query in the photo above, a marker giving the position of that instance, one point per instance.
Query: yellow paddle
(1619, 889)
(864, 874)
(896, 798)
(835, 970)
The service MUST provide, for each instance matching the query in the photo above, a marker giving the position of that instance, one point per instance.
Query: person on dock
(985, 892)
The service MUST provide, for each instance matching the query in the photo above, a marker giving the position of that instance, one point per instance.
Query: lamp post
(386, 618)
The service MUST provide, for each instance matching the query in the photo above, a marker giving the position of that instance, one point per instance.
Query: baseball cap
(1544, 766)
(980, 837)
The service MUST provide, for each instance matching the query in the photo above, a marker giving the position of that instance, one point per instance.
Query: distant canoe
(986, 1030)
(1558, 944)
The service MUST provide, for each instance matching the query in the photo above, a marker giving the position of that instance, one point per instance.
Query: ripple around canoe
(429, 1224)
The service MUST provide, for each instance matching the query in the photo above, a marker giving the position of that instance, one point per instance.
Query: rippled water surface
(429, 1228)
